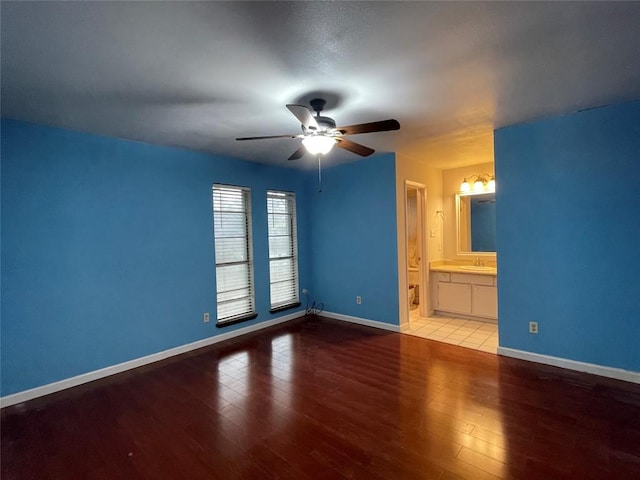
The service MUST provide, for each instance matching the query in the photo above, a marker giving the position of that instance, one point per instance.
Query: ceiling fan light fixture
(318, 144)
(319, 134)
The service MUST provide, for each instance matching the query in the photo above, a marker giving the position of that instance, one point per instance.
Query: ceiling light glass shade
(492, 184)
(318, 144)
(478, 186)
(464, 186)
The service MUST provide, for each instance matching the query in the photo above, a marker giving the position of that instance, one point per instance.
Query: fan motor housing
(325, 123)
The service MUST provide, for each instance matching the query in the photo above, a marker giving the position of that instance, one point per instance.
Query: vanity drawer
(471, 278)
(442, 276)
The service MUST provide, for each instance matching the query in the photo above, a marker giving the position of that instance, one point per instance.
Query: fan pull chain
(319, 174)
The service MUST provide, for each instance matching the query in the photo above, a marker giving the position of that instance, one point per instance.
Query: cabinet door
(485, 301)
(454, 297)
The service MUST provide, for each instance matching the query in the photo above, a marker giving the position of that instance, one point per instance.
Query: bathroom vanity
(457, 287)
(465, 290)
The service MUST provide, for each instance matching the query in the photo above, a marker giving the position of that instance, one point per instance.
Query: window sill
(284, 307)
(233, 321)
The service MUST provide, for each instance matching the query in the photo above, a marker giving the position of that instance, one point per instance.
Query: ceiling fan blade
(381, 126)
(268, 136)
(299, 153)
(303, 114)
(354, 147)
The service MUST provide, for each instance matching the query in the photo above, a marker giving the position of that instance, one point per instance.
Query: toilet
(412, 295)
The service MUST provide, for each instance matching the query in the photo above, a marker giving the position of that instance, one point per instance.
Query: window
(233, 247)
(283, 249)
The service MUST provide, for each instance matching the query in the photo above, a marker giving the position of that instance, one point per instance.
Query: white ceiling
(199, 74)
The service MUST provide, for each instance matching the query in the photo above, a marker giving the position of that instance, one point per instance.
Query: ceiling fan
(320, 134)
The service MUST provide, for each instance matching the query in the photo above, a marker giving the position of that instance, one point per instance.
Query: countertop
(465, 269)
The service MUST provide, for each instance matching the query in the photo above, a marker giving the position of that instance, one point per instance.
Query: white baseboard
(137, 362)
(361, 321)
(610, 372)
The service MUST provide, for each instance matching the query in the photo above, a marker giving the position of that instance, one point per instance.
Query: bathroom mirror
(476, 223)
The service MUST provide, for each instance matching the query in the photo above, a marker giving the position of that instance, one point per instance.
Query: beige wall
(431, 178)
(451, 180)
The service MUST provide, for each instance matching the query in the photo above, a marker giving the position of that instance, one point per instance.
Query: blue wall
(107, 249)
(354, 241)
(568, 235)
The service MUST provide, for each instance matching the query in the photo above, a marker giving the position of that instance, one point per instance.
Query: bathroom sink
(477, 268)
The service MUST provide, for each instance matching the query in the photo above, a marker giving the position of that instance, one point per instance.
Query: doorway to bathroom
(416, 248)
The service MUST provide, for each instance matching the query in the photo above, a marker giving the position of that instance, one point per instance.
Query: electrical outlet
(205, 317)
(305, 291)
(533, 327)
(358, 299)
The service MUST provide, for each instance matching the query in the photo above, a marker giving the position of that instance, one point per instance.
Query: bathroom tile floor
(465, 333)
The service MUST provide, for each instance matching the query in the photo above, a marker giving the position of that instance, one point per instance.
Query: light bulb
(318, 144)
(464, 186)
(478, 186)
(492, 184)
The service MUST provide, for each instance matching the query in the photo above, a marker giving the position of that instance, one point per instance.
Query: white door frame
(421, 229)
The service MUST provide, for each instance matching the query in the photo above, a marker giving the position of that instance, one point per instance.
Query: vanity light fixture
(483, 183)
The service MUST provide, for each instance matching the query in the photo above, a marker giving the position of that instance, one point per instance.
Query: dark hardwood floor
(321, 399)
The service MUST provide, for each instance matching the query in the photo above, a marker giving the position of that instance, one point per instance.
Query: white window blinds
(283, 248)
(233, 247)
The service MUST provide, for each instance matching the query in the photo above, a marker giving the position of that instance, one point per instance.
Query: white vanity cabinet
(484, 301)
(454, 297)
(467, 294)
